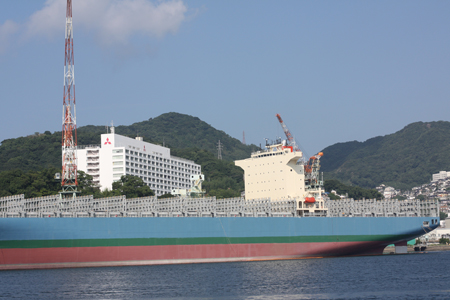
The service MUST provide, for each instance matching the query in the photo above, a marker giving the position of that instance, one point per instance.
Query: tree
(442, 215)
(224, 193)
(420, 197)
(354, 192)
(31, 184)
(333, 196)
(444, 241)
(132, 187)
(168, 195)
(223, 178)
(86, 185)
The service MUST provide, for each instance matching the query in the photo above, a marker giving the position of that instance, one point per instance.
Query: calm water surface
(410, 276)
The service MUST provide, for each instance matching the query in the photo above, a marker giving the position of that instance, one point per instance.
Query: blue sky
(336, 71)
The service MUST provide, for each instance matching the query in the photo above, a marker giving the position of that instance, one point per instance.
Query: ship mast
(69, 180)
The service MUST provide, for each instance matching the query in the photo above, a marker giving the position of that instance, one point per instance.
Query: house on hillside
(442, 175)
(389, 192)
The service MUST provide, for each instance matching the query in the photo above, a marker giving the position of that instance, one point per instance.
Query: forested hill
(184, 131)
(403, 159)
(173, 129)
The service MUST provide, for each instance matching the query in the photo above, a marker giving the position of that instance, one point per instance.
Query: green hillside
(403, 159)
(43, 150)
(184, 131)
(27, 164)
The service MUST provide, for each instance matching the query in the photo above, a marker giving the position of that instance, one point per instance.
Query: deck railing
(119, 206)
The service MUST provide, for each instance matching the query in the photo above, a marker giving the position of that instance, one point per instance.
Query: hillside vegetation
(403, 159)
(354, 192)
(222, 179)
(40, 150)
(42, 183)
(43, 150)
(183, 131)
(27, 164)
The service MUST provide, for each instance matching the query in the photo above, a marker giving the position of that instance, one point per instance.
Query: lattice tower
(69, 180)
(219, 150)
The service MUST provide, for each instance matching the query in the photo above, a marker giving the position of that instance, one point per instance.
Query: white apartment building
(118, 155)
(440, 175)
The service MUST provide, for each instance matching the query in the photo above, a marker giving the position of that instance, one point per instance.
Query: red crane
(69, 180)
(313, 165)
(291, 141)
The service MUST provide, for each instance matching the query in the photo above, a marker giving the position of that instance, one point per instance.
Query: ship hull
(29, 243)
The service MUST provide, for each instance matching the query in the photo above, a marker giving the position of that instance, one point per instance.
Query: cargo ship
(283, 215)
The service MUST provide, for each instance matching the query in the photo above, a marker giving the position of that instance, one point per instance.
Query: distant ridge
(403, 159)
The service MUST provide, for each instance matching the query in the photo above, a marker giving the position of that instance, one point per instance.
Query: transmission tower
(69, 180)
(219, 149)
(243, 137)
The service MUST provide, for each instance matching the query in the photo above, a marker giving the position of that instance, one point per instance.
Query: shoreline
(433, 247)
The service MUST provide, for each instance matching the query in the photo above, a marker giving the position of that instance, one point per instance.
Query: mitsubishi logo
(144, 148)
(107, 142)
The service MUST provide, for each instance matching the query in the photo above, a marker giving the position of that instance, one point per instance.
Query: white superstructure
(278, 173)
(273, 173)
(118, 155)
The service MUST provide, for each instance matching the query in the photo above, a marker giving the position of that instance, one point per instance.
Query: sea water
(408, 276)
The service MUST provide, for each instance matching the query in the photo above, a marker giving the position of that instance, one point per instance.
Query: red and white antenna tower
(69, 180)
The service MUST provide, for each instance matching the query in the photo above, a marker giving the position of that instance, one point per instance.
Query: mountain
(179, 131)
(184, 131)
(402, 160)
